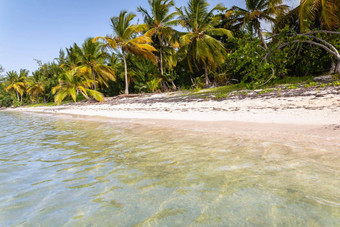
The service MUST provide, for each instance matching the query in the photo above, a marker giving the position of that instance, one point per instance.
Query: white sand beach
(303, 114)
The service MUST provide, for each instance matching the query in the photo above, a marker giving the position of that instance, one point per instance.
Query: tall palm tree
(17, 82)
(199, 44)
(257, 10)
(92, 62)
(160, 22)
(326, 13)
(126, 41)
(71, 84)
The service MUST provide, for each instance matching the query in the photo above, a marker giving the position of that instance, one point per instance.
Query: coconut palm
(199, 44)
(126, 41)
(92, 62)
(73, 84)
(257, 10)
(325, 13)
(160, 22)
(71, 61)
(48, 75)
(17, 82)
(35, 86)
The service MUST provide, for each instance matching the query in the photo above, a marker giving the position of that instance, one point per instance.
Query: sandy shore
(301, 114)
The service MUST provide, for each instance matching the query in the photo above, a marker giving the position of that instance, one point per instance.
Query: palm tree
(71, 61)
(92, 62)
(160, 22)
(35, 86)
(125, 39)
(326, 13)
(73, 84)
(257, 10)
(199, 44)
(48, 75)
(17, 82)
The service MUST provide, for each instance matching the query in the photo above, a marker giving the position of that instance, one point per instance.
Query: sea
(60, 170)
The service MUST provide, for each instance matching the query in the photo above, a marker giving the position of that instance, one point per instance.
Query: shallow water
(68, 172)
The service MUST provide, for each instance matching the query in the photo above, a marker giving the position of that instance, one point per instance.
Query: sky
(38, 29)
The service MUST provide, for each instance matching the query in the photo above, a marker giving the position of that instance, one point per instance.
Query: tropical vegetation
(194, 46)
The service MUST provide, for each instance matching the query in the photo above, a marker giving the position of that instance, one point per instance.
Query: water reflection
(71, 172)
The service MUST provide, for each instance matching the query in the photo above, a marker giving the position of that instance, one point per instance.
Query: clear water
(71, 172)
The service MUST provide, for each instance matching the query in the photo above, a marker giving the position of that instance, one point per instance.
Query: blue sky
(38, 29)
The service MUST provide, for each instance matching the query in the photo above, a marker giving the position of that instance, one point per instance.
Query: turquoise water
(57, 171)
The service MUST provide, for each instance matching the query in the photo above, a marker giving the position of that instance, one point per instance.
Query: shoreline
(312, 117)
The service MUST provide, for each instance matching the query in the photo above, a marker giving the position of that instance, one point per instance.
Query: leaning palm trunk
(173, 85)
(126, 76)
(86, 96)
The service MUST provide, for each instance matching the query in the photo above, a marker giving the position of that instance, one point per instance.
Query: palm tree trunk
(335, 69)
(207, 81)
(126, 76)
(262, 38)
(17, 95)
(173, 84)
(87, 97)
(94, 78)
(161, 61)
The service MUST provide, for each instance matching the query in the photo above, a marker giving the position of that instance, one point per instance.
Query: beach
(305, 114)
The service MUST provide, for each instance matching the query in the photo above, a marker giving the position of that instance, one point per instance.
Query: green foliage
(91, 61)
(293, 86)
(319, 14)
(42, 104)
(268, 90)
(16, 103)
(160, 22)
(336, 83)
(154, 84)
(199, 45)
(6, 98)
(305, 59)
(126, 41)
(246, 63)
(71, 85)
(256, 10)
(198, 82)
(311, 84)
(226, 46)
